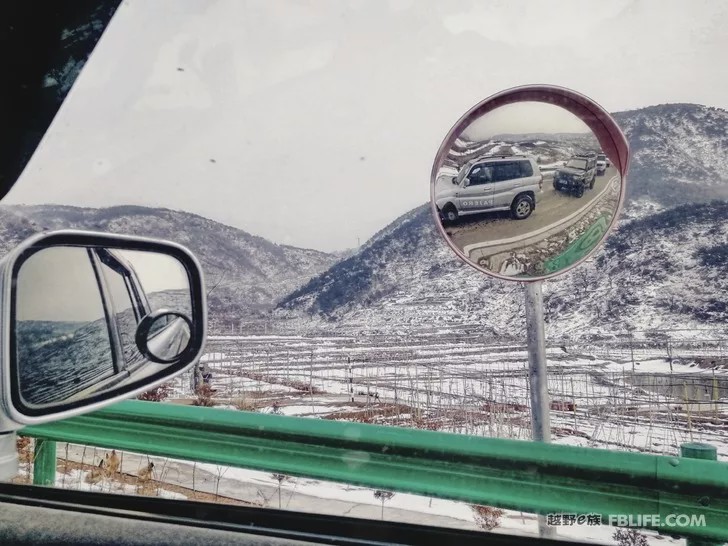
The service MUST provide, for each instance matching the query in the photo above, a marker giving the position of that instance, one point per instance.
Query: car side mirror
(90, 318)
(454, 180)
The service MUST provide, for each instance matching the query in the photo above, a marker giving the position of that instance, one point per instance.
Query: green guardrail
(581, 247)
(519, 475)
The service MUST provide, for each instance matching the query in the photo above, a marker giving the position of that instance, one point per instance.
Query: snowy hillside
(679, 152)
(665, 270)
(244, 272)
(547, 149)
(662, 267)
(14, 228)
(406, 275)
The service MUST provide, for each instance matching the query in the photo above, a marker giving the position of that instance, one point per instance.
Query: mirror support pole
(538, 378)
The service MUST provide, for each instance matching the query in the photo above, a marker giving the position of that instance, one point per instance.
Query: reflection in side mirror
(80, 304)
(164, 335)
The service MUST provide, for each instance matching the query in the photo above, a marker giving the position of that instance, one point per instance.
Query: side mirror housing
(91, 318)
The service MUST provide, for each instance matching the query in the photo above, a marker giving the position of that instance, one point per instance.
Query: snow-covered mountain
(244, 273)
(666, 270)
(14, 228)
(547, 148)
(661, 268)
(669, 269)
(406, 276)
(679, 153)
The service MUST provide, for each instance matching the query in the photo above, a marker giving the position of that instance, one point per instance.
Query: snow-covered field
(180, 479)
(640, 397)
(611, 396)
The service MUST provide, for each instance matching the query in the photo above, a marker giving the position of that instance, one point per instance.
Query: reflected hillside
(174, 300)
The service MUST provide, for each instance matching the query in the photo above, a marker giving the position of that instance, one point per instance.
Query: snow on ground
(83, 480)
(551, 166)
(351, 493)
(601, 396)
(464, 386)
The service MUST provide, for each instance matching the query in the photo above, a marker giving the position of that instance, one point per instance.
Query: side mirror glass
(163, 335)
(94, 318)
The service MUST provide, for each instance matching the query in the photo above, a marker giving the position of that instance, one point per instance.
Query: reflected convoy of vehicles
(487, 184)
(578, 175)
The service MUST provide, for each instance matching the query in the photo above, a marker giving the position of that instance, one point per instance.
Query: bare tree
(383, 496)
(220, 471)
(222, 276)
(280, 478)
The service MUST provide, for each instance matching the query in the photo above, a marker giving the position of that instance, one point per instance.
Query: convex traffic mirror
(91, 318)
(529, 182)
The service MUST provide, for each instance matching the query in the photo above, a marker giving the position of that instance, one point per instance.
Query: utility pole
(631, 349)
(538, 378)
(351, 378)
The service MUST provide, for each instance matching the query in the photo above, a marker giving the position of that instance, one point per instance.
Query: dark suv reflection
(577, 175)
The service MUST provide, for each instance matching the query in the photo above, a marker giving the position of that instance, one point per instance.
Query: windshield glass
(464, 172)
(576, 163)
(289, 146)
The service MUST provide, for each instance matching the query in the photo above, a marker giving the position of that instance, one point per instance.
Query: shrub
(157, 394)
(244, 404)
(487, 517)
(629, 537)
(204, 396)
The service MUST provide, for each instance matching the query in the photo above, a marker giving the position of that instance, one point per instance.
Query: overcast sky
(316, 123)
(524, 117)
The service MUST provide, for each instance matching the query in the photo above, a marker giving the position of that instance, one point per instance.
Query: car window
(480, 174)
(125, 308)
(577, 163)
(526, 169)
(506, 171)
(51, 315)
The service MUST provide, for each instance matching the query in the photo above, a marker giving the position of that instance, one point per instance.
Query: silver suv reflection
(490, 184)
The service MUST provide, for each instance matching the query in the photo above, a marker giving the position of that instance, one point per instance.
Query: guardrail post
(44, 462)
(699, 451)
